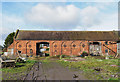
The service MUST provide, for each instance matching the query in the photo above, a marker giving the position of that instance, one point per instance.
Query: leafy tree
(9, 40)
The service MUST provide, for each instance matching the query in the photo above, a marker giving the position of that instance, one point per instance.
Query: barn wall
(62, 47)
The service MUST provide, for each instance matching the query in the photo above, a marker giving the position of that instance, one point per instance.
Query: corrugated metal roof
(67, 35)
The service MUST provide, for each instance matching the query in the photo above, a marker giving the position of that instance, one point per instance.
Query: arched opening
(95, 48)
(42, 49)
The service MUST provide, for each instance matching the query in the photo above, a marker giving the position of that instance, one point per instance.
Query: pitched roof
(67, 35)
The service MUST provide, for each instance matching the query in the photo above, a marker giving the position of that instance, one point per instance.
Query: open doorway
(42, 49)
(95, 48)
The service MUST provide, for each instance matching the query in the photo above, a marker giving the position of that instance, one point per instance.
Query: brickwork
(74, 47)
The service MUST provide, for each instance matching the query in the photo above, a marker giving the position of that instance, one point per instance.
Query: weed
(91, 65)
(20, 67)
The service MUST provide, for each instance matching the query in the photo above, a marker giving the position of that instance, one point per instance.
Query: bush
(47, 49)
(2, 53)
(84, 54)
(57, 56)
(31, 55)
(64, 56)
(111, 57)
(46, 54)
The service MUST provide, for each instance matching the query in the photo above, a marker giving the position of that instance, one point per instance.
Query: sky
(58, 16)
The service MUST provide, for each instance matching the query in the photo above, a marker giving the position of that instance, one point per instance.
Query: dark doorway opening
(95, 43)
(42, 49)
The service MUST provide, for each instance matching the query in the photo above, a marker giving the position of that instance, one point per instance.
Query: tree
(1, 47)
(9, 40)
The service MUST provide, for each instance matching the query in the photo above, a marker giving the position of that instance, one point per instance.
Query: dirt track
(53, 71)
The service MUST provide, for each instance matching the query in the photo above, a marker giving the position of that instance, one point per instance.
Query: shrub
(46, 54)
(2, 53)
(64, 56)
(111, 57)
(47, 49)
(31, 55)
(57, 56)
(84, 54)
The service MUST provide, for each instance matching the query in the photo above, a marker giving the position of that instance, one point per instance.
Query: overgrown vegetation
(99, 69)
(45, 60)
(60, 56)
(20, 67)
(47, 49)
(17, 71)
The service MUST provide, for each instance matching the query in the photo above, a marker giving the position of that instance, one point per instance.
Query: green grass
(46, 60)
(1, 52)
(89, 65)
(24, 67)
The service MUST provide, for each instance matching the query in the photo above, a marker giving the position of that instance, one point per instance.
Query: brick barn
(65, 42)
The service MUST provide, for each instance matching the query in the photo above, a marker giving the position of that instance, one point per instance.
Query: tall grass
(90, 64)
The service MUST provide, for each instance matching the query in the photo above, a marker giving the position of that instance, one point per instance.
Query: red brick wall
(72, 47)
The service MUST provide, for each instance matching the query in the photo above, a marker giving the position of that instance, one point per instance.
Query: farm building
(65, 42)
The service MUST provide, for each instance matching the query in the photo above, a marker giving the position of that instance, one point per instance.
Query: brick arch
(16, 47)
(19, 47)
(71, 46)
(66, 50)
(26, 46)
(19, 44)
(75, 50)
(80, 47)
(61, 47)
(55, 50)
(84, 46)
(30, 45)
(52, 48)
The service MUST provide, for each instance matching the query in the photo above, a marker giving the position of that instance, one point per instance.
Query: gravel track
(53, 71)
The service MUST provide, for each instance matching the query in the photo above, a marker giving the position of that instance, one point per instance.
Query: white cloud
(62, 16)
(53, 17)
(1, 42)
(89, 17)
(9, 24)
(109, 22)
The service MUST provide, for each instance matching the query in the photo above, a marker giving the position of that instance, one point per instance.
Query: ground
(54, 69)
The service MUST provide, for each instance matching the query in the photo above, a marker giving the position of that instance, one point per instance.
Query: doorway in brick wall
(42, 49)
(95, 48)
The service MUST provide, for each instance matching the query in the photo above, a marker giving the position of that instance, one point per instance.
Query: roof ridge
(62, 31)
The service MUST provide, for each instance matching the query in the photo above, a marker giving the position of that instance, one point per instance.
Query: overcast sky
(56, 16)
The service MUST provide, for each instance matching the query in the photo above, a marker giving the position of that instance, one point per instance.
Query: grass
(90, 64)
(1, 52)
(20, 67)
(46, 60)
(14, 73)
